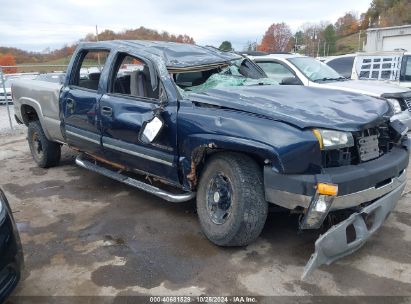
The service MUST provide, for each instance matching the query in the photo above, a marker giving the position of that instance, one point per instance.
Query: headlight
(330, 139)
(395, 105)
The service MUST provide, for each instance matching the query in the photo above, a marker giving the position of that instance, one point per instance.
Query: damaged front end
(358, 194)
(350, 234)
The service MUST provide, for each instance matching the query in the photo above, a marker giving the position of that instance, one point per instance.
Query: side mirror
(151, 129)
(291, 81)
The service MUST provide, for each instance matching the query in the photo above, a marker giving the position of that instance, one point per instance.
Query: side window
(275, 70)
(132, 78)
(407, 72)
(87, 74)
(342, 65)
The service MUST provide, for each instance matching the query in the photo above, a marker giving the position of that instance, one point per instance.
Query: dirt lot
(84, 234)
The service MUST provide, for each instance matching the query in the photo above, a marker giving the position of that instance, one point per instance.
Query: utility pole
(359, 40)
(325, 43)
(98, 54)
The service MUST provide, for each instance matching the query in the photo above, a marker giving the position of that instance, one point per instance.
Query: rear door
(131, 100)
(80, 101)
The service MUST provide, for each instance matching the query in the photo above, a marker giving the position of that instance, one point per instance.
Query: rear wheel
(44, 152)
(230, 200)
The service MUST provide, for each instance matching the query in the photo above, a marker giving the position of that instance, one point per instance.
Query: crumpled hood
(301, 106)
(368, 87)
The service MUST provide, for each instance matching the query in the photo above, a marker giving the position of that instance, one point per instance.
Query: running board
(174, 198)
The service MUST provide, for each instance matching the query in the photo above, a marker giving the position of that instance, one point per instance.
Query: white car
(296, 69)
(7, 84)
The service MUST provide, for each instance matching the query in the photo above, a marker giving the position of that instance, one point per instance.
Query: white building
(388, 38)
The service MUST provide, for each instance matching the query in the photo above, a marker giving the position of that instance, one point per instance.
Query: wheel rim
(219, 198)
(37, 146)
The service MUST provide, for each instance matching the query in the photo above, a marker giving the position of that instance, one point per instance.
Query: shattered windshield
(236, 73)
(315, 70)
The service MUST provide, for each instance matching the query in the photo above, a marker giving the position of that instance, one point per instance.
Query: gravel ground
(4, 120)
(84, 234)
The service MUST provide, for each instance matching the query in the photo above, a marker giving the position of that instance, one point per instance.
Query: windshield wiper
(330, 79)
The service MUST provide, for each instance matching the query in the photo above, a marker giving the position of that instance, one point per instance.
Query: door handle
(70, 104)
(107, 111)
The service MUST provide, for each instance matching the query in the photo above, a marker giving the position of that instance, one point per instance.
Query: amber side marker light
(327, 189)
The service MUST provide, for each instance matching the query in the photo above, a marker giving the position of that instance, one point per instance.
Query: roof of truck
(175, 55)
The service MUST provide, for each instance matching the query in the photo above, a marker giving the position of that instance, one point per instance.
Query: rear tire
(44, 152)
(231, 203)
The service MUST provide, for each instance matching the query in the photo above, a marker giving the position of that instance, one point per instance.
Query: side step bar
(171, 197)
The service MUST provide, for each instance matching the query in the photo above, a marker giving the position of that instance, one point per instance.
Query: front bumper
(356, 184)
(337, 242)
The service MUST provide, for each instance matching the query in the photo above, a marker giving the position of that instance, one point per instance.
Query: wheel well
(29, 114)
(201, 155)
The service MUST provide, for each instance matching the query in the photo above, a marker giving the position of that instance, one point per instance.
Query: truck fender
(26, 101)
(196, 147)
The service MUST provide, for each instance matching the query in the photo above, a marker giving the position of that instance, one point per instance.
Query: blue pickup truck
(210, 125)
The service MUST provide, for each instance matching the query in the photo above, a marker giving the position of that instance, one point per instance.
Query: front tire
(230, 200)
(44, 152)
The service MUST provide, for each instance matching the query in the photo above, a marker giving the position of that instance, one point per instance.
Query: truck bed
(43, 96)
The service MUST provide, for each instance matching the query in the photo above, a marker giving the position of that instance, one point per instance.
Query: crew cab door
(134, 96)
(80, 101)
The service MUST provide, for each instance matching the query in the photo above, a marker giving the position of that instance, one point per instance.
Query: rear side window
(132, 78)
(88, 70)
(342, 65)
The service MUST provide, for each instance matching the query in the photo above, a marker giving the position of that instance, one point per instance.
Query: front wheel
(230, 200)
(44, 152)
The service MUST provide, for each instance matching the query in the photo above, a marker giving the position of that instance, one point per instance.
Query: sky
(40, 24)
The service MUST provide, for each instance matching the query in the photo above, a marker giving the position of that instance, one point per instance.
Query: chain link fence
(6, 96)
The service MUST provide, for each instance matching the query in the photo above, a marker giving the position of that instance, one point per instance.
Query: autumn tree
(276, 38)
(8, 60)
(347, 24)
(388, 13)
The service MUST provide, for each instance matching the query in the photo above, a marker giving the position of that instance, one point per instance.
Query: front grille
(407, 101)
(369, 144)
(368, 147)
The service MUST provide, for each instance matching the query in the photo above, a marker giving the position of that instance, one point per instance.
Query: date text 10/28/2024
(203, 299)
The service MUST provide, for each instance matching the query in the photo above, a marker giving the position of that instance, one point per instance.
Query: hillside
(349, 44)
(59, 56)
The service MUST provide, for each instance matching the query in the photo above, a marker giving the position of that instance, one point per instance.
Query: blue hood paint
(300, 106)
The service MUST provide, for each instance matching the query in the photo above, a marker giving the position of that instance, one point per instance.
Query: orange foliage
(347, 24)
(276, 38)
(8, 60)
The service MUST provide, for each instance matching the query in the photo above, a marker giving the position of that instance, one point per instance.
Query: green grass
(349, 44)
(39, 67)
